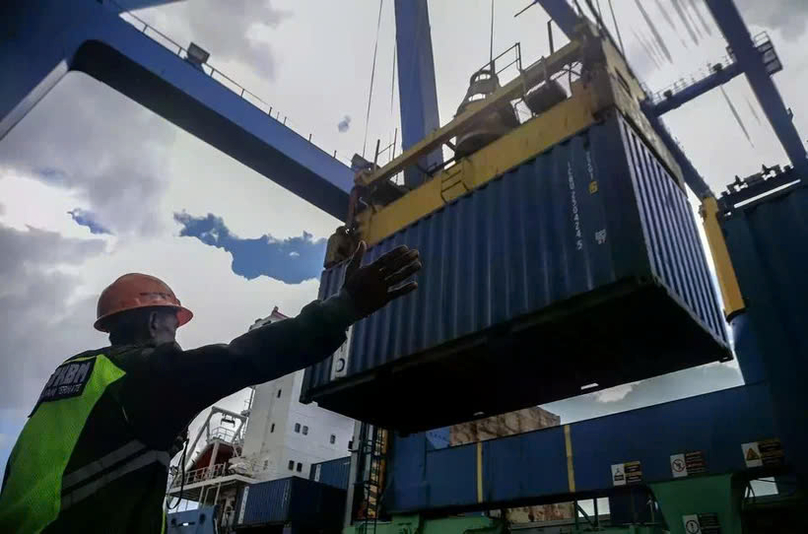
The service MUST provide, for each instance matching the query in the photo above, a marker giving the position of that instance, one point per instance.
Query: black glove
(371, 287)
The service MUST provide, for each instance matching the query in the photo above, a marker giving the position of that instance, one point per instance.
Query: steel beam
(575, 461)
(716, 79)
(563, 14)
(567, 19)
(418, 95)
(52, 37)
(728, 19)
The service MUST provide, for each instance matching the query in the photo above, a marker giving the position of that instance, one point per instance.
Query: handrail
(727, 61)
(760, 38)
(682, 84)
(224, 434)
(210, 70)
(200, 475)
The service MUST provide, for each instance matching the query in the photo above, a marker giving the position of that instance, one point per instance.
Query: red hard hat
(135, 290)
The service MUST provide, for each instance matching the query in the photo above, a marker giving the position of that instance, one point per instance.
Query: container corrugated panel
(295, 501)
(581, 266)
(332, 473)
(768, 243)
(267, 502)
(532, 467)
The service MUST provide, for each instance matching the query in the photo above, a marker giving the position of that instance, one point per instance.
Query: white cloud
(614, 394)
(50, 209)
(788, 16)
(200, 180)
(35, 292)
(115, 165)
(237, 32)
(656, 390)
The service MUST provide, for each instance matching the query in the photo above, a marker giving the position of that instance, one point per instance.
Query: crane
(562, 463)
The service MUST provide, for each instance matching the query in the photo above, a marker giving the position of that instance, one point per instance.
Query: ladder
(372, 449)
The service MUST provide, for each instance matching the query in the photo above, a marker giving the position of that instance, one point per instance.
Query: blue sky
(92, 185)
(290, 260)
(89, 220)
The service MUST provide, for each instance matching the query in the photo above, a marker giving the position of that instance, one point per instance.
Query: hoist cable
(372, 77)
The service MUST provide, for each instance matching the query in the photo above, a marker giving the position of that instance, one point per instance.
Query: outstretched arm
(179, 384)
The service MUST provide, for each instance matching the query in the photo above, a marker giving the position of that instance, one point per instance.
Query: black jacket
(166, 387)
(111, 461)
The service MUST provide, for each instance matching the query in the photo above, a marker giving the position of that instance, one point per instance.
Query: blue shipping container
(533, 467)
(767, 240)
(332, 473)
(294, 501)
(199, 521)
(582, 267)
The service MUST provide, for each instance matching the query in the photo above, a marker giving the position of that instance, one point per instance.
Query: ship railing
(201, 474)
(224, 434)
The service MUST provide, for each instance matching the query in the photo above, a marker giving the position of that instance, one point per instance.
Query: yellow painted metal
(607, 85)
(725, 272)
(531, 138)
(479, 471)
(570, 463)
(376, 225)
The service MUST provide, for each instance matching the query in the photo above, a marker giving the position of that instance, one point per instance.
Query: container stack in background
(509, 424)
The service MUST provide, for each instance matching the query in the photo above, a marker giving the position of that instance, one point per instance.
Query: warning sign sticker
(768, 453)
(627, 473)
(696, 463)
(771, 452)
(751, 454)
(678, 466)
(688, 464)
(618, 475)
(701, 524)
(633, 472)
(691, 523)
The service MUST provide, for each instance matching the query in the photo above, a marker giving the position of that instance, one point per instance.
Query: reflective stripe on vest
(71, 479)
(143, 459)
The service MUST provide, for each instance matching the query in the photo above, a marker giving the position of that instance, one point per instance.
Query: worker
(93, 456)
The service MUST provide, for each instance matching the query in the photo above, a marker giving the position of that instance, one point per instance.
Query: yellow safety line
(725, 272)
(479, 471)
(570, 468)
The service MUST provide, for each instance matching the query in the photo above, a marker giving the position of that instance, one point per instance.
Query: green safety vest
(77, 465)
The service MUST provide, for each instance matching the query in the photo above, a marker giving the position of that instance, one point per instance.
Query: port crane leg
(418, 95)
(728, 19)
(39, 56)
